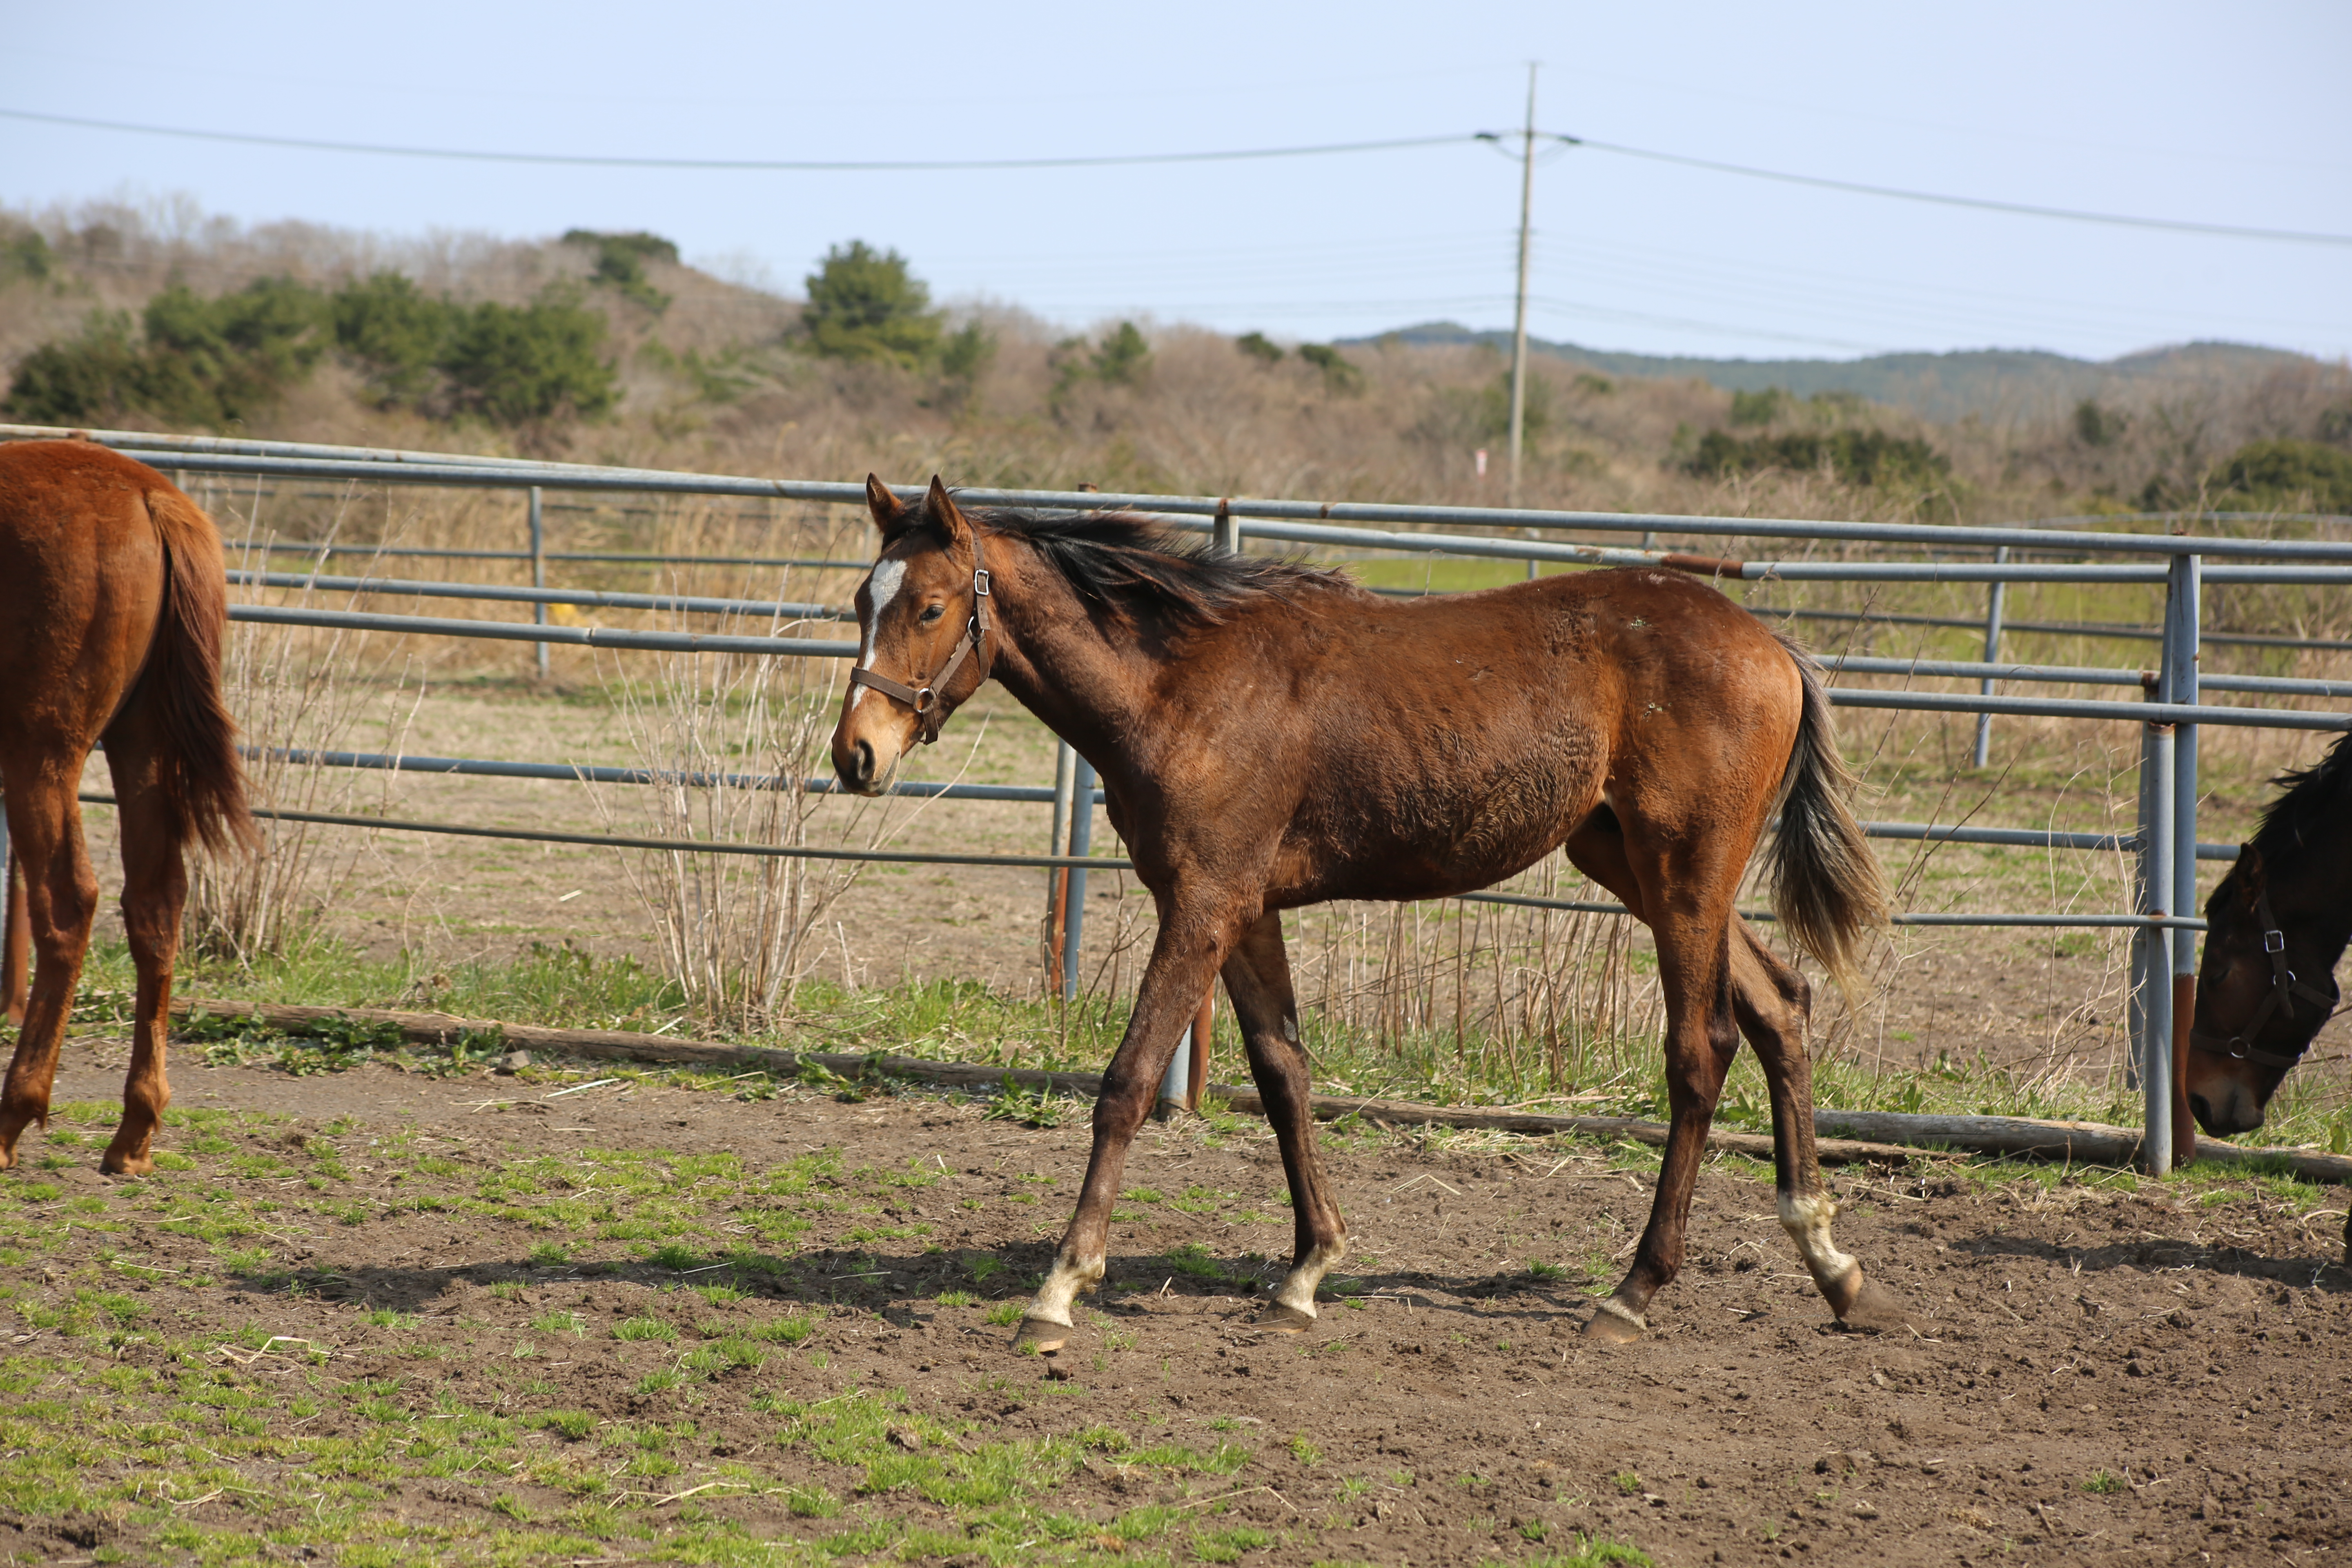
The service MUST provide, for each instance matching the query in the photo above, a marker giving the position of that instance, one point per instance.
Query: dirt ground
(2099, 1375)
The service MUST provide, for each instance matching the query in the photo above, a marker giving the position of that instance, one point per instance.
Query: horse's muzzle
(853, 764)
(2235, 1110)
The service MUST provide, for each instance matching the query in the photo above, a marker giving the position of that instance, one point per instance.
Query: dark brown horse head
(2262, 990)
(915, 612)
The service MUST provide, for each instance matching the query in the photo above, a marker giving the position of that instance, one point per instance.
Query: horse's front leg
(1184, 962)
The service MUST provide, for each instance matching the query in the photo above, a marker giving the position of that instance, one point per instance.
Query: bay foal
(112, 604)
(1269, 736)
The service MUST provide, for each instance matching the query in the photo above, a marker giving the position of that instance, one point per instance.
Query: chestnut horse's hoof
(112, 1165)
(1614, 1323)
(1277, 1319)
(1875, 1308)
(1035, 1336)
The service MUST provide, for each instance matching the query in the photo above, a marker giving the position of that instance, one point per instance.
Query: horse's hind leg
(1257, 978)
(154, 885)
(1772, 1001)
(60, 900)
(1686, 906)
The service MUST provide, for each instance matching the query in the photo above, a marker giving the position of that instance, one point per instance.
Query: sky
(2204, 114)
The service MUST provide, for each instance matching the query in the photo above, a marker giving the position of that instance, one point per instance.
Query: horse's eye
(933, 614)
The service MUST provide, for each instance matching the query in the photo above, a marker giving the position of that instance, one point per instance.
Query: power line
(1129, 160)
(1981, 203)
(742, 165)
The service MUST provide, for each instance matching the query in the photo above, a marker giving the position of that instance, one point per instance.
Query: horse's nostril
(865, 761)
(2202, 1112)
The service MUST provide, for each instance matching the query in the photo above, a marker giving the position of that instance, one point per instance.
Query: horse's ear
(944, 514)
(889, 512)
(2251, 876)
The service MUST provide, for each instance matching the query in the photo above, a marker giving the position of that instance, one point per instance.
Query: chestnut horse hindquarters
(112, 611)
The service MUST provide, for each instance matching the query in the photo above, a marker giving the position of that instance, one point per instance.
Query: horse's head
(2261, 994)
(926, 636)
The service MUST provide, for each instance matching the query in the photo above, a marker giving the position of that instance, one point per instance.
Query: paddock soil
(378, 1316)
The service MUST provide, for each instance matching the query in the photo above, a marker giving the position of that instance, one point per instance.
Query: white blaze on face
(881, 587)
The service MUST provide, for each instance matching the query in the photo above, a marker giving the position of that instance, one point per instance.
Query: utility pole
(1519, 316)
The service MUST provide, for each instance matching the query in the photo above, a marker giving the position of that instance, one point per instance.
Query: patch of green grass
(2103, 1482)
(645, 1327)
(1004, 1314)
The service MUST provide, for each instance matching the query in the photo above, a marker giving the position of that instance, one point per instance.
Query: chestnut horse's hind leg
(1772, 1001)
(154, 885)
(1257, 978)
(1184, 960)
(61, 898)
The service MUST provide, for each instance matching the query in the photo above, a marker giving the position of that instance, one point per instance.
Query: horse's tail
(1826, 887)
(202, 780)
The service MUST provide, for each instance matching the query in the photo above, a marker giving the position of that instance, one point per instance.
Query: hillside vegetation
(605, 347)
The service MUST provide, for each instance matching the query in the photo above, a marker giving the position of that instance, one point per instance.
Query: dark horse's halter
(2285, 988)
(924, 698)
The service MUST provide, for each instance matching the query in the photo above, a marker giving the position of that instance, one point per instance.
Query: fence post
(1082, 835)
(1058, 879)
(1994, 602)
(1225, 533)
(538, 573)
(2153, 945)
(2184, 608)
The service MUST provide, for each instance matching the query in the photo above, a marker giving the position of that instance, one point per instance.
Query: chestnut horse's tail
(1826, 887)
(202, 782)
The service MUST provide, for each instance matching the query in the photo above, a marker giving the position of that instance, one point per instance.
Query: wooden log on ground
(1846, 1136)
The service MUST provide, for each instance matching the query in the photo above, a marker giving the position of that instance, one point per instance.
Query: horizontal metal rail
(523, 631)
(569, 772)
(2080, 674)
(581, 772)
(1034, 862)
(2094, 631)
(2087, 708)
(1269, 511)
(811, 648)
(425, 588)
(301, 547)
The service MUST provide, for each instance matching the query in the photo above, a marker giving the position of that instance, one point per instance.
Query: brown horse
(112, 603)
(1270, 736)
(2275, 928)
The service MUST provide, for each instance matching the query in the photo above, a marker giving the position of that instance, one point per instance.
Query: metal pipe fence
(2164, 838)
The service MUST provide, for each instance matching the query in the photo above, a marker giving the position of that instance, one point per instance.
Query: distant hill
(2018, 383)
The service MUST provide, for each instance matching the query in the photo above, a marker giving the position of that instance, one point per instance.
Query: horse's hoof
(1615, 1324)
(1277, 1319)
(126, 1165)
(1037, 1337)
(1876, 1309)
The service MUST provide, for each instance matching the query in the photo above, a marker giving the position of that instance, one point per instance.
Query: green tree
(517, 365)
(1339, 373)
(1259, 347)
(1759, 407)
(1856, 457)
(91, 378)
(864, 304)
(2286, 476)
(620, 263)
(1120, 359)
(227, 358)
(396, 334)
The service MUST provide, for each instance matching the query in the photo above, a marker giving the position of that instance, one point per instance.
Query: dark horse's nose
(2220, 1125)
(855, 766)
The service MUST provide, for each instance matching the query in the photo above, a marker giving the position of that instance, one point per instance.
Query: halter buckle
(979, 582)
(2274, 941)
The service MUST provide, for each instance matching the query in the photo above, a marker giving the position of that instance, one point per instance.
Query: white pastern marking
(1806, 1218)
(881, 587)
(1297, 1291)
(1054, 1296)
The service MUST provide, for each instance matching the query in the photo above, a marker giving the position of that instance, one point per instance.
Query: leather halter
(2283, 988)
(924, 697)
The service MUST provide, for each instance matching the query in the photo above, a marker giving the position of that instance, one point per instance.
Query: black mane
(2316, 797)
(1127, 563)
